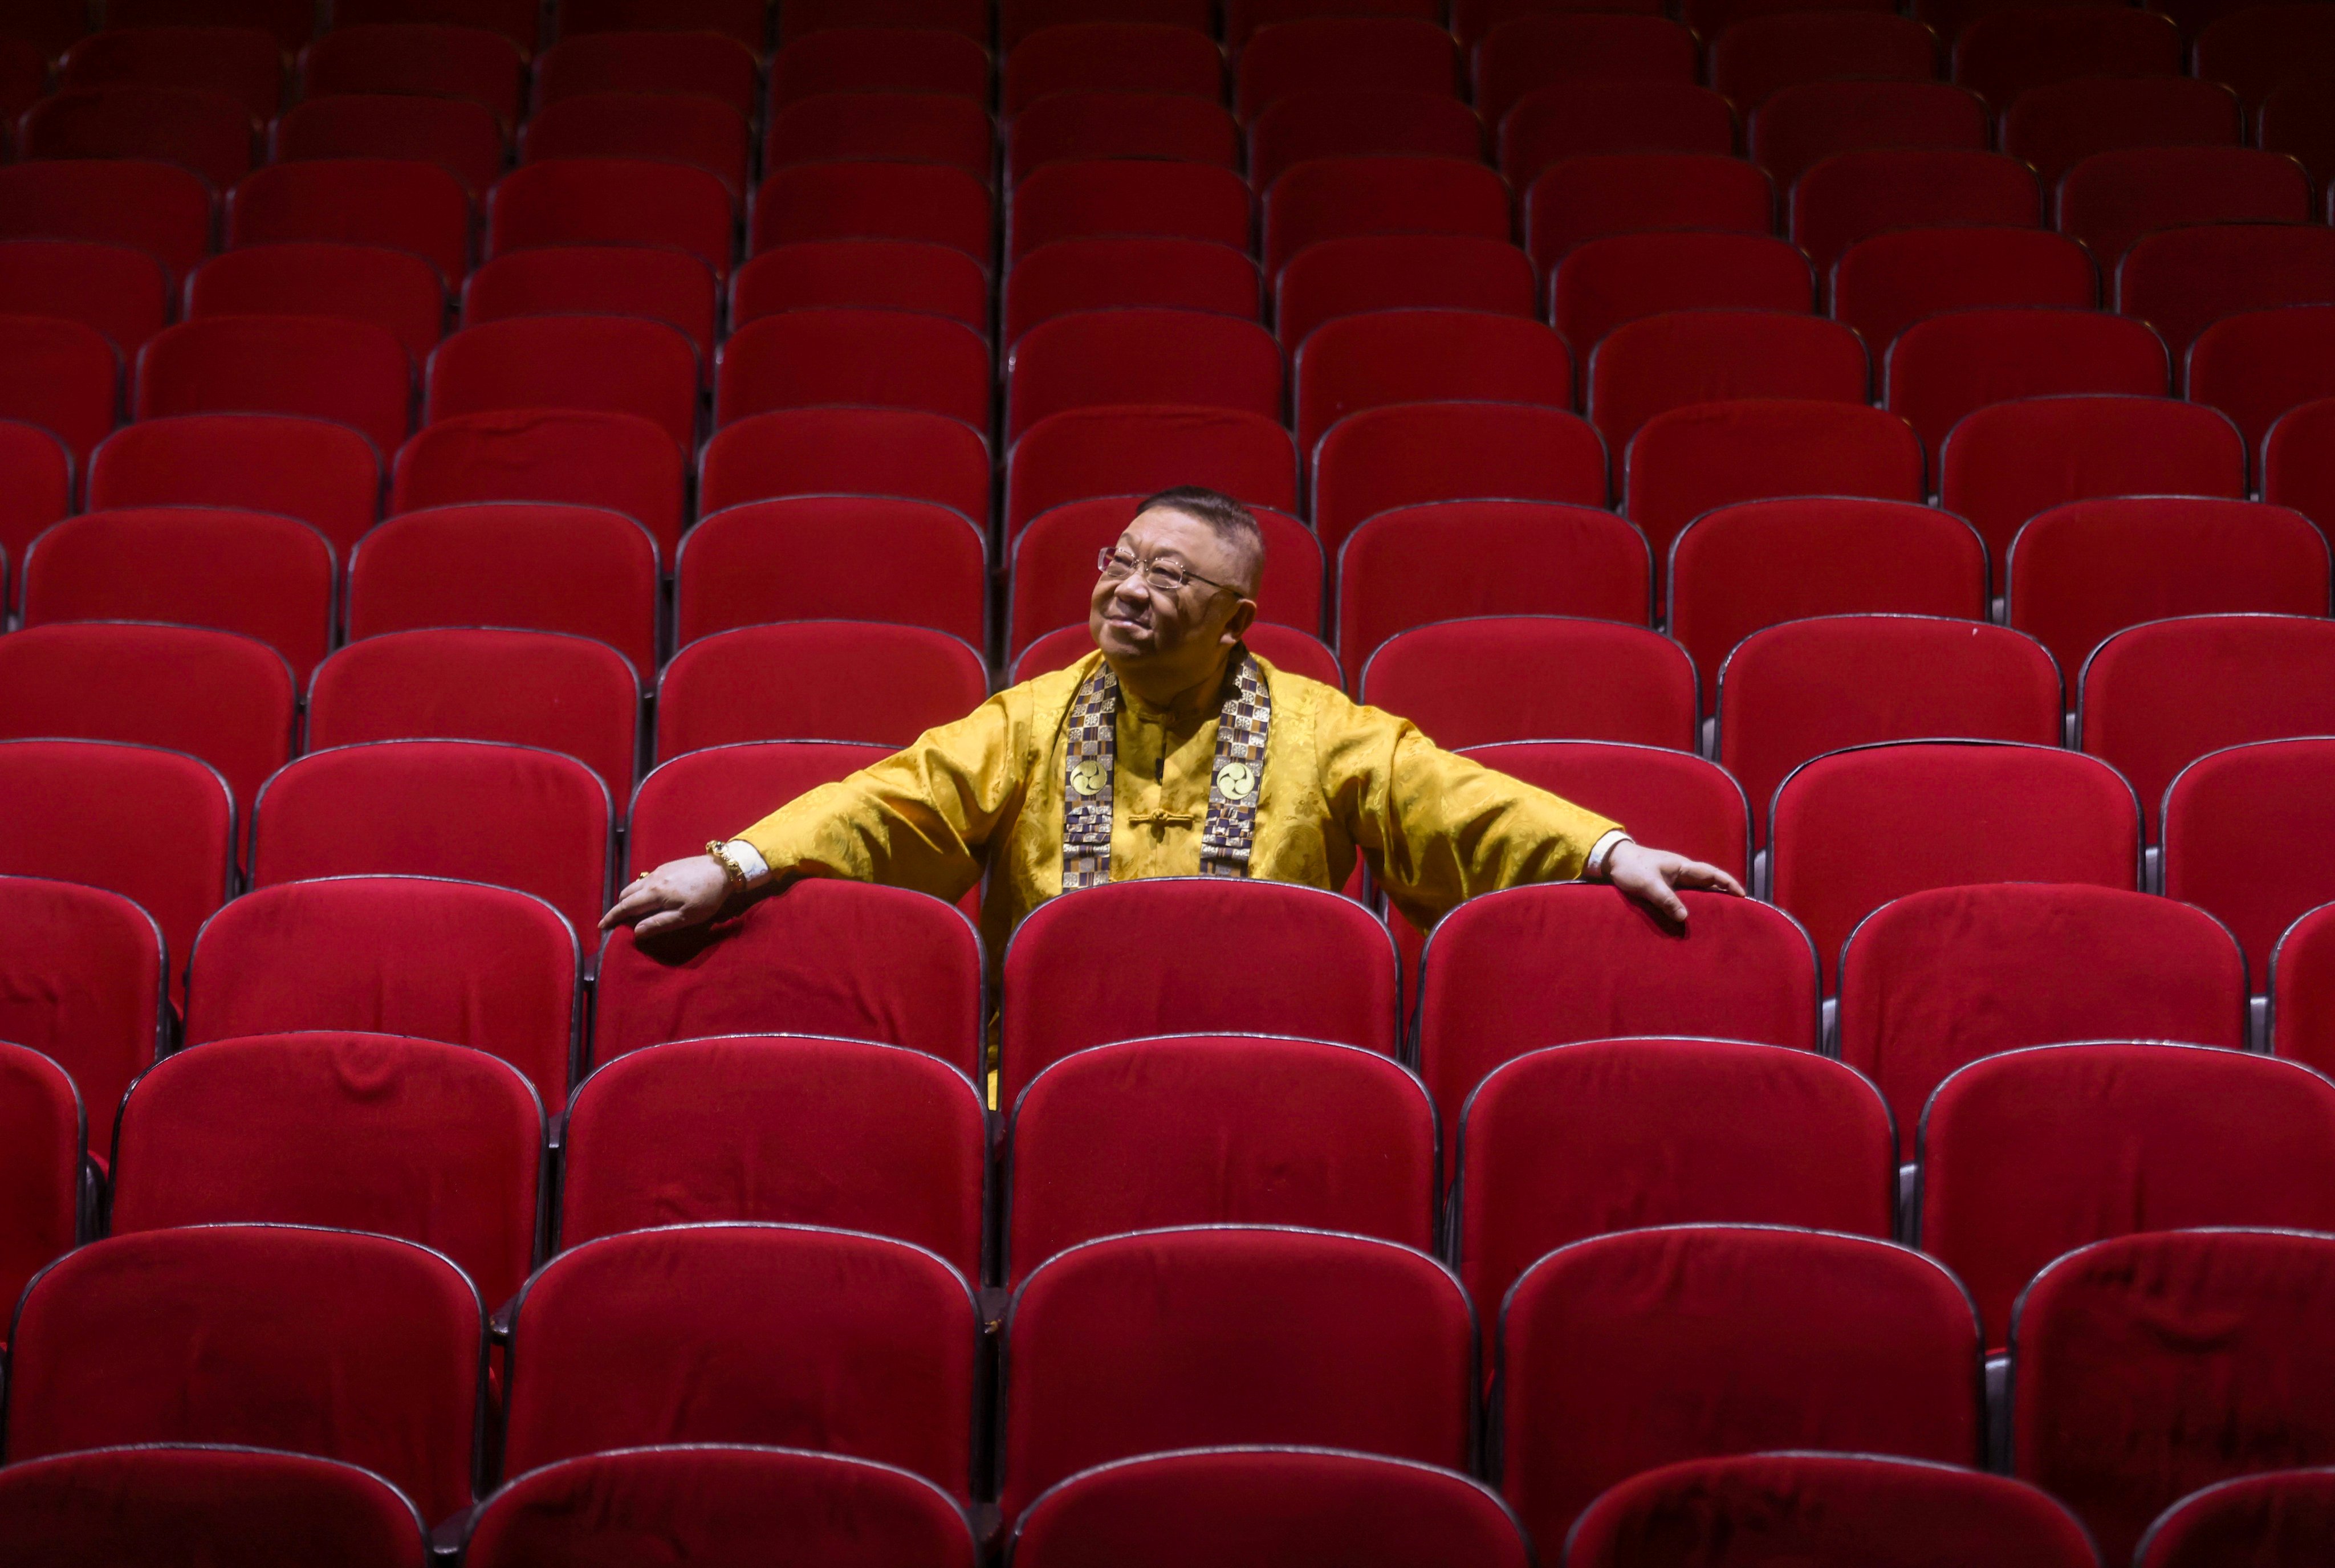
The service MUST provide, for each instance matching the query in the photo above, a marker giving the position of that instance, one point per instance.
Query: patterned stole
(1090, 764)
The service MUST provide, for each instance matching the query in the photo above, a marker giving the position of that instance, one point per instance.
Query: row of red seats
(1606, 1351)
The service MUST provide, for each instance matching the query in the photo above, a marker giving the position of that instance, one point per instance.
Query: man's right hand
(677, 894)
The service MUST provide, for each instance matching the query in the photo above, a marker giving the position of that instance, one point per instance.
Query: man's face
(1135, 622)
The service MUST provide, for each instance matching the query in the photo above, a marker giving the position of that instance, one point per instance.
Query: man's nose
(1131, 591)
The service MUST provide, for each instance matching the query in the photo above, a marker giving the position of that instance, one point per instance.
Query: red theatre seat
(120, 290)
(1129, 197)
(1798, 127)
(1114, 51)
(1674, 798)
(885, 273)
(1760, 56)
(240, 63)
(438, 60)
(392, 288)
(1408, 356)
(2256, 52)
(932, 202)
(63, 376)
(605, 363)
(1401, 454)
(868, 358)
(1346, 119)
(2294, 472)
(852, 557)
(1104, 273)
(352, 372)
(203, 132)
(2003, 53)
(1585, 119)
(920, 127)
(664, 284)
(1142, 449)
(1603, 283)
(1339, 278)
(1530, 51)
(2059, 126)
(1053, 571)
(2302, 997)
(2112, 198)
(2280, 1517)
(405, 204)
(675, 128)
(81, 988)
(1096, 357)
(879, 59)
(1590, 198)
(863, 681)
(707, 63)
(2256, 364)
(460, 136)
(1953, 364)
(827, 451)
(1852, 196)
(1336, 198)
(1633, 685)
(714, 792)
(1884, 284)
(1661, 362)
(154, 206)
(1408, 53)
(621, 462)
(613, 201)
(41, 1168)
(2268, 793)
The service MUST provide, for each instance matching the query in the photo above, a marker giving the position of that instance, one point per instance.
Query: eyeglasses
(1166, 576)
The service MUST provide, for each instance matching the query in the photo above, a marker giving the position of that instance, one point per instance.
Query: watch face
(1234, 780)
(1087, 777)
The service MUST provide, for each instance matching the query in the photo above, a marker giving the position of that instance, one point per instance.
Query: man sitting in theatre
(1171, 751)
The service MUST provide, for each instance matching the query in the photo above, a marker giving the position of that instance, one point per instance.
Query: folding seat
(1113, 55)
(539, 689)
(261, 574)
(1333, 198)
(827, 956)
(1764, 54)
(747, 21)
(1677, 799)
(1578, 1140)
(402, 203)
(603, 364)
(1795, 691)
(2281, 1516)
(459, 136)
(2151, 1365)
(225, 701)
(53, 24)
(1709, 18)
(2003, 53)
(816, 680)
(1690, 460)
(1859, 827)
(2082, 572)
(1218, 1129)
(662, 1336)
(205, 132)
(82, 981)
(1339, 278)
(1951, 365)
(223, 1333)
(433, 1143)
(526, 564)
(1798, 127)
(2302, 1022)
(666, 284)
(2182, 280)
(2256, 54)
(1589, 197)
(1324, 970)
(37, 487)
(2271, 792)
(1852, 196)
(698, 794)
(711, 1501)
(1408, 356)
(619, 461)
(61, 375)
(2297, 119)
(931, 202)
(1109, 451)
(1127, 197)
(150, 205)
(356, 372)
(1209, 1335)
(239, 64)
(2293, 470)
(879, 59)
(2031, 1153)
(1064, 127)
(41, 1167)
(1089, 274)
(1266, 1504)
(1610, 1350)
(1529, 53)
(2256, 364)
(794, 1130)
(1343, 53)
(1451, 560)
(175, 1505)
(416, 58)
(1739, 568)
(1286, 648)
(1871, 1510)
(669, 127)
(516, 20)
(1884, 284)
(1243, 18)
(1408, 453)
(1052, 579)
(2112, 198)
(613, 201)
(888, 273)
(848, 451)
(869, 558)
(395, 289)
(1345, 121)
(1581, 118)
(289, 22)
(119, 289)
(2057, 126)
(2009, 461)
(915, 127)
(1603, 284)
(1677, 358)
(1508, 973)
(707, 64)
(1018, 19)
(1100, 357)
(969, 17)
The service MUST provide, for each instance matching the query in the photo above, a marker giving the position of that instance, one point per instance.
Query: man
(1170, 751)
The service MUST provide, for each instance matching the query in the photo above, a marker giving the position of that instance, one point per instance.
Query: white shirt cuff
(749, 861)
(1592, 870)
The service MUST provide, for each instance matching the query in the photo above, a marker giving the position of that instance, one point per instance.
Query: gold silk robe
(985, 793)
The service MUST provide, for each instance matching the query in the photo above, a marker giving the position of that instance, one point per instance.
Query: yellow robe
(985, 794)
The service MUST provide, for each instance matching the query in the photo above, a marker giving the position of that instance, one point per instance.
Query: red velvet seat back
(63, 376)
(925, 126)
(1103, 272)
(1852, 196)
(935, 203)
(862, 681)
(470, 61)
(888, 273)
(459, 136)
(155, 207)
(725, 69)
(1585, 119)
(684, 128)
(1099, 51)
(1144, 449)
(396, 289)
(1302, 52)
(201, 131)
(1097, 357)
(324, 473)
(820, 452)
(82, 984)
(1603, 283)
(843, 557)
(2111, 199)
(1884, 284)
(624, 462)
(1407, 454)
(614, 201)
(1760, 56)
(1525, 52)
(2285, 1514)
(611, 364)
(1953, 364)
(1387, 193)
(1677, 799)
(883, 56)
(2271, 792)
(2056, 126)
(2302, 990)
(2001, 55)
(662, 283)
(39, 478)
(353, 372)
(2182, 280)
(1337, 277)
(42, 1135)
(713, 793)
(838, 354)
(1661, 362)
(405, 203)
(1089, 197)
(1643, 690)
(1408, 356)
(1796, 128)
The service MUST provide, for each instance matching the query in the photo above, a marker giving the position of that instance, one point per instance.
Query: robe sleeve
(920, 818)
(1438, 827)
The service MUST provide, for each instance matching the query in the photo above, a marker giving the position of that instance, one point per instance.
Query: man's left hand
(1648, 876)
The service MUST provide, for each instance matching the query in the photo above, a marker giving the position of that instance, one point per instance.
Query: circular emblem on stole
(1236, 779)
(1087, 777)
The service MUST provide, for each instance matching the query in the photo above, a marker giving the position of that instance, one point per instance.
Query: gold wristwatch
(719, 849)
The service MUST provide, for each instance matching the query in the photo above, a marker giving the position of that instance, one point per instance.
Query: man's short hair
(1233, 522)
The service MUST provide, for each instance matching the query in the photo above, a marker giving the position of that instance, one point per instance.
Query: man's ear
(1237, 623)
